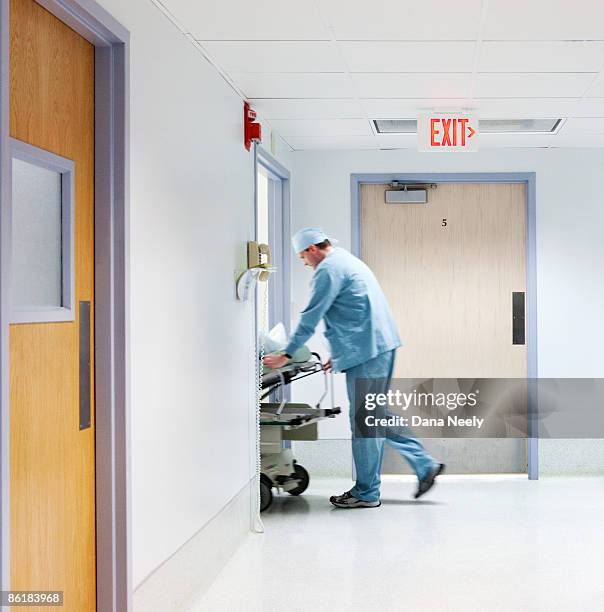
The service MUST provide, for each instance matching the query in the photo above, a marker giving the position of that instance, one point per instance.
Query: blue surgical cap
(307, 236)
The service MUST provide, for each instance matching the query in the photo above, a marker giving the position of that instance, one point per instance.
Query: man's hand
(275, 361)
(328, 366)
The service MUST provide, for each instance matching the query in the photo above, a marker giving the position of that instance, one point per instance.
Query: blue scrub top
(358, 322)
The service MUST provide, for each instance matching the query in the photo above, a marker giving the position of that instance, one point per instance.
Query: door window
(42, 224)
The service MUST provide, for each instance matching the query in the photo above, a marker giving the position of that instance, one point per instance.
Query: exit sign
(443, 132)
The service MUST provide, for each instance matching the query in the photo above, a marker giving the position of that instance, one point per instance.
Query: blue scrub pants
(369, 452)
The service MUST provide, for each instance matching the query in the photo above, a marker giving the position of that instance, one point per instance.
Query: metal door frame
(112, 52)
(527, 178)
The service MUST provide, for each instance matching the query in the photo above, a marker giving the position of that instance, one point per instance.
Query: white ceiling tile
(396, 56)
(532, 85)
(525, 108)
(237, 20)
(412, 85)
(308, 109)
(321, 127)
(578, 126)
(350, 143)
(578, 140)
(544, 20)
(275, 56)
(403, 19)
(392, 108)
(293, 85)
(589, 107)
(541, 56)
(596, 89)
(490, 108)
(514, 141)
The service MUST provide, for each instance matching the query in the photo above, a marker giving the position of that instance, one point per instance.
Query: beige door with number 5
(448, 269)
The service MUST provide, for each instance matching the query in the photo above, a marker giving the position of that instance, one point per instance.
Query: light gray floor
(476, 543)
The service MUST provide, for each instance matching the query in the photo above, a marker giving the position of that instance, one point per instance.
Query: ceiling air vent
(487, 126)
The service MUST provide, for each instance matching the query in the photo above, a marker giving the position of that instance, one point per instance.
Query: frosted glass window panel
(37, 236)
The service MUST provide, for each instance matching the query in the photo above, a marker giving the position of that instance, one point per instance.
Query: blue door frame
(279, 236)
(526, 178)
(279, 231)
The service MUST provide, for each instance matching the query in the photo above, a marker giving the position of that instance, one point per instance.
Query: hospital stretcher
(282, 420)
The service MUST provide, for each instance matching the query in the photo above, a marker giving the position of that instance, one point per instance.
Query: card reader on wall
(258, 269)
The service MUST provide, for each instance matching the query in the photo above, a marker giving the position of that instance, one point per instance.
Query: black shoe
(426, 484)
(347, 500)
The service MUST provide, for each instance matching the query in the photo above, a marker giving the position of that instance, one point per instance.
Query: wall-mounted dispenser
(258, 269)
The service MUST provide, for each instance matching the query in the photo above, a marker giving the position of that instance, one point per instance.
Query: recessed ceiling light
(487, 126)
(518, 126)
(395, 126)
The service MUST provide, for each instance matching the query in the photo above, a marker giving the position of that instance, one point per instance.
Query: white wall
(192, 210)
(570, 249)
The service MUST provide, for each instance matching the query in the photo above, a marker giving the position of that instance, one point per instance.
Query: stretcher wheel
(266, 494)
(304, 478)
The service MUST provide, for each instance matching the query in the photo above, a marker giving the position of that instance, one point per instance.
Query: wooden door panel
(52, 461)
(450, 286)
(450, 289)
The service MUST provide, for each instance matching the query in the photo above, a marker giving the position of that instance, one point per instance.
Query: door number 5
(444, 223)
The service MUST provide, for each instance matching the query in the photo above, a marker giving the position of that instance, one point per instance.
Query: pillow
(273, 341)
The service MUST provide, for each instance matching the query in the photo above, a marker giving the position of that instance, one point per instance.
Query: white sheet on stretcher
(276, 340)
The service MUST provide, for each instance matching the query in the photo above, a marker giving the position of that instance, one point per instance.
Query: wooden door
(52, 494)
(448, 269)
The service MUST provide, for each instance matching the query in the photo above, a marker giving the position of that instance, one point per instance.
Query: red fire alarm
(252, 131)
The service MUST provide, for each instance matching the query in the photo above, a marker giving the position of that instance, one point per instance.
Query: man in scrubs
(363, 340)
